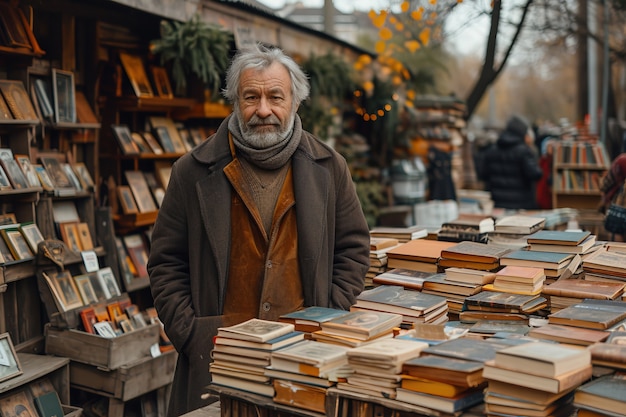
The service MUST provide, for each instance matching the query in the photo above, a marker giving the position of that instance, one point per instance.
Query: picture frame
(29, 171)
(67, 290)
(84, 236)
(63, 94)
(14, 30)
(17, 244)
(69, 171)
(127, 200)
(69, 235)
(104, 329)
(124, 139)
(83, 174)
(141, 191)
(97, 285)
(85, 289)
(10, 366)
(172, 130)
(115, 311)
(5, 252)
(55, 172)
(7, 218)
(32, 235)
(136, 72)
(162, 82)
(165, 140)
(15, 174)
(43, 93)
(5, 184)
(5, 112)
(140, 142)
(122, 255)
(109, 282)
(44, 177)
(163, 171)
(154, 145)
(88, 318)
(18, 100)
(138, 252)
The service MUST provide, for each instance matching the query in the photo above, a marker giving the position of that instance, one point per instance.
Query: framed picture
(85, 289)
(55, 172)
(174, 137)
(140, 142)
(14, 173)
(83, 175)
(152, 143)
(109, 282)
(162, 82)
(138, 252)
(29, 171)
(97, 286)
(67, 290)
(163, 135)
(15, 32)
(5, 252)
(127, 200)
(9, 363)
(32, 234)
(136, 72)
(5, 113)
(17, 244)
(67, 168)
(124, 139)
(7, 218)
(5, 184)
(88, 317)
(115, 311)
(18, 100)
(42, 91)
(104, 329)
(69, 234)
(122, 255)
(64, 96)
(84, 236)
(44, 178)
(163, 171)
(141, 191)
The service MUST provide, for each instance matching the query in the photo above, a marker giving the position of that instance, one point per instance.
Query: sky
(345, 6)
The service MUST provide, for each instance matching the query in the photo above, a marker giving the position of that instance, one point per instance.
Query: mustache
(256, 120)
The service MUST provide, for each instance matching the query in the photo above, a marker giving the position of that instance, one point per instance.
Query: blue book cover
(535, 257)
(313, 314)
(49, 405)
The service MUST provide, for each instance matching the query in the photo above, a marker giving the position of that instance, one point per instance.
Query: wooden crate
(128, 381)
(69, 411)
(108, 353)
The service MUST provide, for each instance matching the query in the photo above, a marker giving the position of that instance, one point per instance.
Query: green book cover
(49, 405)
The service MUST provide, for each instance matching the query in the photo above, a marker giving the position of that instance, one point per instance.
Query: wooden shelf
(150, 104)
(37, 366)
(205, 110)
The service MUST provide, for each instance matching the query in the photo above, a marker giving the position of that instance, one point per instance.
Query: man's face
(265, 109)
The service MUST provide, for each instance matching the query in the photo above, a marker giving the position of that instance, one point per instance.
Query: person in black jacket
(510, 169)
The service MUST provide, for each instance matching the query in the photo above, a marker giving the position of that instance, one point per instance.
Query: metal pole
(605, 75)
(593, 68)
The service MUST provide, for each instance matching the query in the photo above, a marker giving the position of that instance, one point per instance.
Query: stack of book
(605, 264)
(545, 374)
(591, 314)
(302, 372)
(603, 396)
(402, 234)
(242, 352)
(566, 292)
(497, 305)
(453, 291)
(408, 278)
(523, 280)
(569, 334)
(414, 306)
(308, 319)
(466, 227)
(512, 231)
(562, 241)
(447, 377)
(377, 366)
(473, 255)
(555, 264)
(417, 255)
(378, 256)
(610, 354)
(358, 327)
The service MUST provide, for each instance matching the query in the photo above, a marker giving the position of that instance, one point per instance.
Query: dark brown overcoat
(189, 253)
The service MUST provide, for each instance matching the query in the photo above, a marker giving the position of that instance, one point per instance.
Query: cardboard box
(108, 353)
(128, 381)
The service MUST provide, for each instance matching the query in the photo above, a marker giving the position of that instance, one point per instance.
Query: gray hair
(261, 57)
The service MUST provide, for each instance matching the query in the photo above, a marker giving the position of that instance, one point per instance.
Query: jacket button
(268, 264)
(266, 306)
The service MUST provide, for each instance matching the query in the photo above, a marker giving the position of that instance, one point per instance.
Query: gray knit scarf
(270, 158)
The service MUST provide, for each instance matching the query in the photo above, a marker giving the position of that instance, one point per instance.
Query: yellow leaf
(433, 2)
(405, 6)
(396, 80)
(380, 47)
(368, 86)
(399, 26)
(385, 34)
(379, 20)
(425, 36)
(410, 94)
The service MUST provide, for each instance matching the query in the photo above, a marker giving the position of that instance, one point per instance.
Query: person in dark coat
(510, 169)
(259, 220)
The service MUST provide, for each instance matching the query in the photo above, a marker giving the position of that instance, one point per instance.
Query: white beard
(263, 140)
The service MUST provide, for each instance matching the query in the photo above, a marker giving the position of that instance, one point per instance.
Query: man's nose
(264, 109)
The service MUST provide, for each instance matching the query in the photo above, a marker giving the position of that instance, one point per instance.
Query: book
(428, 386)
(300, 395)
(609, 355)
(445, 263)
(49, 405)
(362, 325)
(407, 278)
(550, 260)
(521, 406)
(308, 319)
(402, 234)
(466, 349)
(568, 334)
(419, 250)
(604, 261)
(549, 384)
(562, 408)
(329, 381)
(558, 237)
(256, 330)
(440, 283)
(505, 301)
(309, 357)
(259, 388)
(522, 274)
(605, 393)
(397, 299)
(454, 404)
(378, 243)
(474, 252)
(452, 371)
(578, 288)
(471, 276)
(466, 223)
(591, 314)
(583, 247)
(543, 358)
(271, 344)
(386, 352)
(520, 224)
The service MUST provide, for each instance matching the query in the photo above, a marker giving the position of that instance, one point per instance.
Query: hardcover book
(558, 237)
(474, 223)
(523, 274)
(310, 357)
(386, 351)
(569, 334)
(605, 393)
(378, 243)
(504, 300)
(428, 386)
(421, 250)
(609, 355)
(543, 358)
(455, 404)
(271, 344)
(591, 314)
(362, 324)
(407, 278)
(445, 263)
(584, 247)
(467, 349)
(256, 330)
(308, 319)
(474, 252)
(578, 288)
(402, 234)
(604, 261)
(396, 299)
(550, 260)
(49, 405)
(472, 276)
(458, 372)
(519, 224)
(529, 395)
(259, 388)
(557, 384)
(439, 282)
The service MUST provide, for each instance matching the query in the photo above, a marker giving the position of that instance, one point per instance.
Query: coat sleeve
(531, 168)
